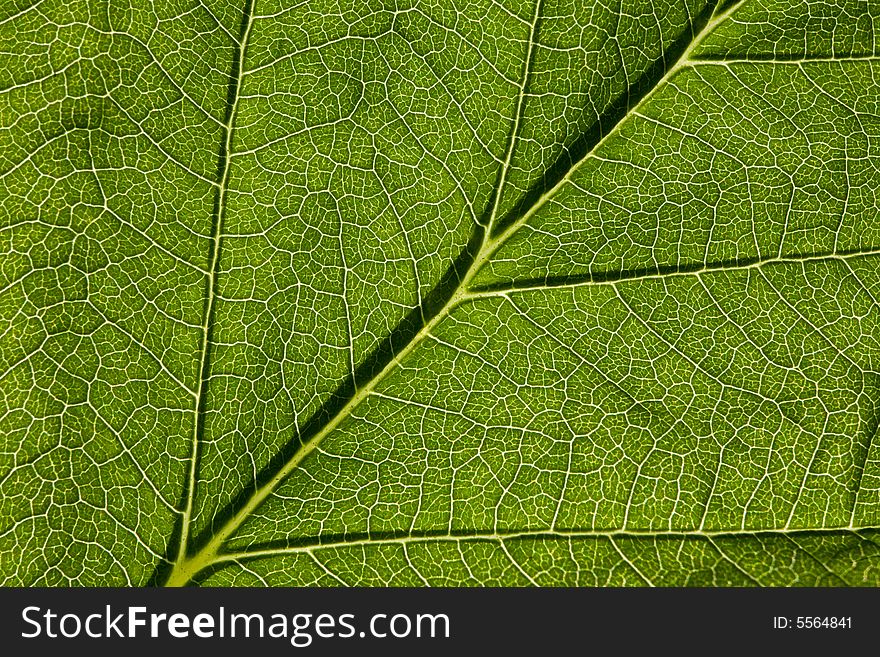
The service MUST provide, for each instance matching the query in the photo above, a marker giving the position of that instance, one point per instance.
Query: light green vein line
(211, 285)
(493, 245)
(187, 566)
(629, 563)
(517, 117)
(618, 278)
(494, 537)
(710, 61)
(733, 563)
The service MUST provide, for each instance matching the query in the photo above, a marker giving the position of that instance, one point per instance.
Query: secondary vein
(219, 213)
(513, 535)
(187, 566)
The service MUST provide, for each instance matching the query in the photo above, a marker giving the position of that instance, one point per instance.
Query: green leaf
(485, 292)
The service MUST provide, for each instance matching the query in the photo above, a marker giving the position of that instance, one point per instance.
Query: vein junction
(491, 238)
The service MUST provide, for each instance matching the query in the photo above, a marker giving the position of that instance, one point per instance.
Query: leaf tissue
(440, 292)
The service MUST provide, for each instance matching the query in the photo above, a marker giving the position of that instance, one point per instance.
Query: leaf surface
(498, 293)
